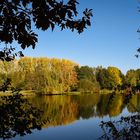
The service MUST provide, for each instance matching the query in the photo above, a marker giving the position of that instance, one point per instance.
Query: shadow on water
(18, 116)
(127, 128)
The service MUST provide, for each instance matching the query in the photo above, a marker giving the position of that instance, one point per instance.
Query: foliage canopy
(18, 17)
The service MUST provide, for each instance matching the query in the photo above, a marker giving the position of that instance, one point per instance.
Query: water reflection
(62, 110)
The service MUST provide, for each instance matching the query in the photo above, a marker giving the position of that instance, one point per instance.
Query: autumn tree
(44, 75)
(115, 76)
(109, 78)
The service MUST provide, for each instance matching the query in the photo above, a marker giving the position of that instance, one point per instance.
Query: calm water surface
(78, 117)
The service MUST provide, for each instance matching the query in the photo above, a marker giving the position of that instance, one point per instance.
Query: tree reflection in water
(18, 116)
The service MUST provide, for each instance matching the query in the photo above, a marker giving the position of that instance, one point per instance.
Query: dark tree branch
(17, 16)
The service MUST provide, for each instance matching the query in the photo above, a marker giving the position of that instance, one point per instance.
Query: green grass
(105, 91)
(31, 93)
(72, 93)
(23, 92)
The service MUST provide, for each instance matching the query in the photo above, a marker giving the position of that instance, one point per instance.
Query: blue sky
(112, 40)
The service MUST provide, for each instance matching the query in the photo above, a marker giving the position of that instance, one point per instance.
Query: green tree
(138, 77)
(85, 72)
(131, 78)
(85, 85)
(102, 76)
(87, 79)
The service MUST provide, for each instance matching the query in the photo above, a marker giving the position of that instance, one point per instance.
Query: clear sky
(112, 40)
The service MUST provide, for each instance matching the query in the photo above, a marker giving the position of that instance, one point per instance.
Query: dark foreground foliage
(127, 128)
(18, 17)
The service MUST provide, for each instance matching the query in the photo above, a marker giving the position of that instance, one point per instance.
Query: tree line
(55, 76)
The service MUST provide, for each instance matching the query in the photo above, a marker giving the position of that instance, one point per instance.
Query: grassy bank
(32, 93)
(105, 91)
(64, 93)
(23, 92)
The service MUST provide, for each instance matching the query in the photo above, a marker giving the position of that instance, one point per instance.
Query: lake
(79, 117)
